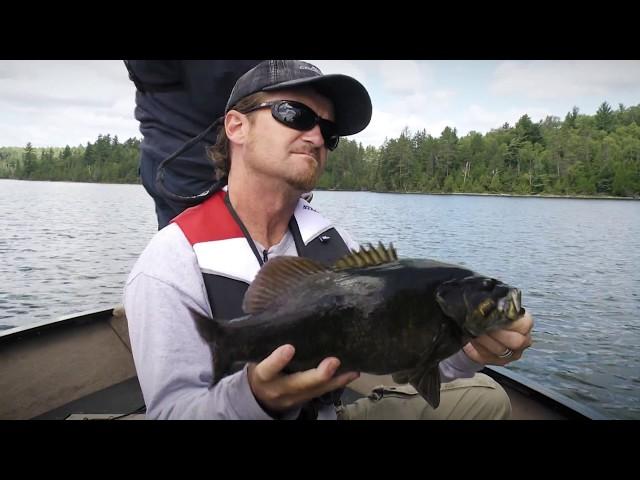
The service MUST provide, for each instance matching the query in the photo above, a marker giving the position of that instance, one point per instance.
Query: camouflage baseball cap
(350, 99)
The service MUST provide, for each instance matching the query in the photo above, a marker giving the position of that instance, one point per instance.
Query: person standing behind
(176, 100)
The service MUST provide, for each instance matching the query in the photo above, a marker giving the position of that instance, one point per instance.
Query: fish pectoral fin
(427, 383)
(278, 277)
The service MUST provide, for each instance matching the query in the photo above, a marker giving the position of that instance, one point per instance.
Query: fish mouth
(511, 305)
(480, 304)
(492, 315)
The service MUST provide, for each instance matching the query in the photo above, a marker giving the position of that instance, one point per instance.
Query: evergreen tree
(28, 161)
(570, 119)
(604, 117)
(527, 130)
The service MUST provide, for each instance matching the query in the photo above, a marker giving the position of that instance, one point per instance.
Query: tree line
(580, 155)
(107, 160)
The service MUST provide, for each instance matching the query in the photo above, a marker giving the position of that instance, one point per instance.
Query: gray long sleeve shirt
(163, 296)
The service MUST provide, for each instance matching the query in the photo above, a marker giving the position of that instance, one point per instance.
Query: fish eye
(489, 283)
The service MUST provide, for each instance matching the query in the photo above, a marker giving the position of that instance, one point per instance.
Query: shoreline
(69, 181)
(467, 194)
(470, 194)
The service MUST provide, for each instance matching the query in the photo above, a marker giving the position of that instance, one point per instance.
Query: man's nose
(314, 136)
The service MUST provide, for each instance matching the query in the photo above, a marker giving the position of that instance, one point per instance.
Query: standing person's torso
(182, 98)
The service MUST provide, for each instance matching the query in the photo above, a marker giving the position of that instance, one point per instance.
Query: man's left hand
(494, 348)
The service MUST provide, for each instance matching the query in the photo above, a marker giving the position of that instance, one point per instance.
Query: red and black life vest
(228, 259)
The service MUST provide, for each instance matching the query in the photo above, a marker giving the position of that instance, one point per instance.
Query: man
(175, 101)
(281, 119)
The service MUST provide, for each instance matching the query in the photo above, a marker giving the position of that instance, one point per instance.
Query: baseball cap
(351, 100)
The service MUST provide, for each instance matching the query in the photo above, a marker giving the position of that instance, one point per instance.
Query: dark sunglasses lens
(299, 116)
(332, 142)
(329, 133)
(296, 116)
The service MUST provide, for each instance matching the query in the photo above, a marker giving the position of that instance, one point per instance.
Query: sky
(70, 102)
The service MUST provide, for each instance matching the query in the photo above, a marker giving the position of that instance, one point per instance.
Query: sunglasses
(298, 116)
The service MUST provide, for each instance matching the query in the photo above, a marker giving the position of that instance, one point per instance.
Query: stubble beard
(301, 179)
(306, 180)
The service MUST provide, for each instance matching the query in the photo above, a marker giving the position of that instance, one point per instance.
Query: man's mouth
(308, 154)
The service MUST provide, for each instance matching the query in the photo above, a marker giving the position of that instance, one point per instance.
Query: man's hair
(219, 152)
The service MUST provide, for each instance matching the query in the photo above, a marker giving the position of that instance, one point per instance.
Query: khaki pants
(476, 398)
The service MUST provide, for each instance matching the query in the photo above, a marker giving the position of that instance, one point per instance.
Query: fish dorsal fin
(368, 257)
(278, 276)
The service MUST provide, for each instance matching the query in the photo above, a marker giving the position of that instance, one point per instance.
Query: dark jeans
(184, 180)
(166, 210)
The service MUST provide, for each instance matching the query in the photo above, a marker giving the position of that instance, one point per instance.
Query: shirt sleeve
(165, 300)
(458, 365)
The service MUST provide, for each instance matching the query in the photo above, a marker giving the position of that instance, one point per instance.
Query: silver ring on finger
(506, 354)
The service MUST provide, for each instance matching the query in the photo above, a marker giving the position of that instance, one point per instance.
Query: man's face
(276, 150)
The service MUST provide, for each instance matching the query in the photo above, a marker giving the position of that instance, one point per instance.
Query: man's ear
(235, 124)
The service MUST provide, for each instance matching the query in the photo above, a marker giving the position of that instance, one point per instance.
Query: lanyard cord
(245, 232)
(189, 199)
(293, 228)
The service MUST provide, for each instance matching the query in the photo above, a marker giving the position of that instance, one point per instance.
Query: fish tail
(222, 354)
(222, 362)
(215, 333)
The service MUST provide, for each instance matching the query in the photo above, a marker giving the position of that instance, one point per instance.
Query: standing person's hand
(278, 392)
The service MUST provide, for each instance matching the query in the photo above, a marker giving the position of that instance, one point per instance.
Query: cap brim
(351, 100)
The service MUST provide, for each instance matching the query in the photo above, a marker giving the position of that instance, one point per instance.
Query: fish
(377, 313)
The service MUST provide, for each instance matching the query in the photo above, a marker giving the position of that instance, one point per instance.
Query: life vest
(229, 260)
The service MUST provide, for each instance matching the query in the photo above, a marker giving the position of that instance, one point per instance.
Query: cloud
(71, 125)
(552, 79)
(401, 96)
(388, 125)
(482, 120)
(426, 105)
(403, 77)
(72, 101)
(444, 95)
(38, 84)
(345, 67)
(55, 103)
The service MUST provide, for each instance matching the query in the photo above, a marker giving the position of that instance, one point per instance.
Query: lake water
(68, 247)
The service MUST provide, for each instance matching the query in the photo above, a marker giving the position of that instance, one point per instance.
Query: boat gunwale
(530, 388)
(87, 316)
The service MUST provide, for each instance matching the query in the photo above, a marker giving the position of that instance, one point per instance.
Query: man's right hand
(279, 392)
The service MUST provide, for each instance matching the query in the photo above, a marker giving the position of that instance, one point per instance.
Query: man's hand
(493, 348)
(278, 392)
